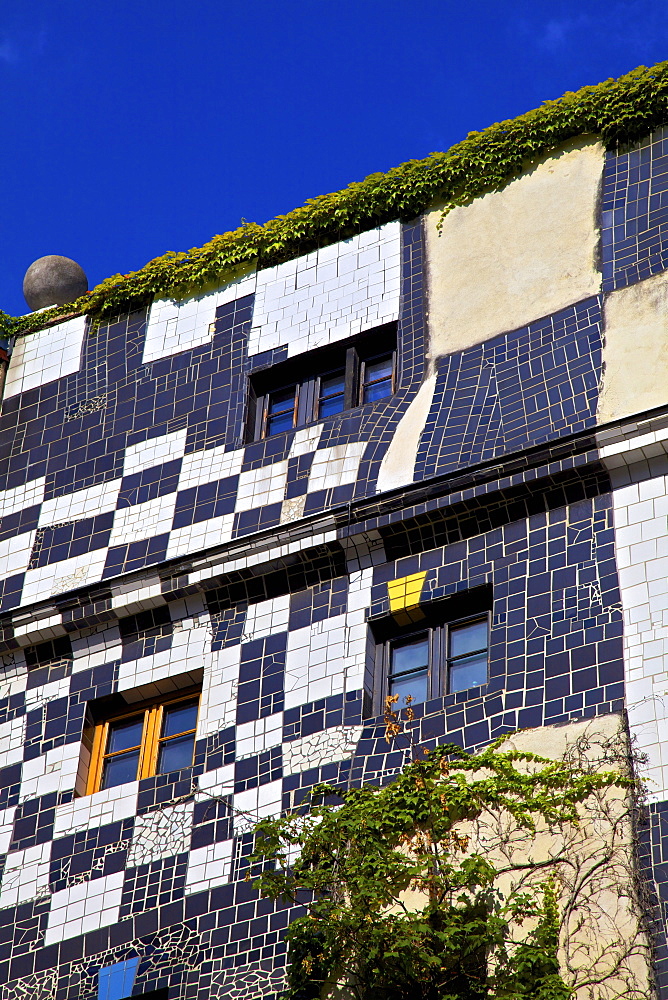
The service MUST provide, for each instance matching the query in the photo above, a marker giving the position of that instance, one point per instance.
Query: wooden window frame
(265, 400)
(362, 374)
(149, 747)
(438, 671)
(305, 372)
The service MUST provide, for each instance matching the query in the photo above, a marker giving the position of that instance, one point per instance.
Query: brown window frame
(149, 747)
(440, 660)
(306, 372)
(437, 621)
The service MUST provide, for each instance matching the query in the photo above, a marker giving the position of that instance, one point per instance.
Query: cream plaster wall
(636, 349)
(515, 255)
(398, 465)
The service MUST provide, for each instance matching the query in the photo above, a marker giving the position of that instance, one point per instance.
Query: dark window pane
(179, 719)
(176, 753)
(125, 734)
(377, 390)
(467, 638)
(333, 404)
(332, 384)
(381, 368)
(470, 671)
(282, 399)
(118, 770)
(332, 393)
(410, 654)
(281, 410)
(414, 685)
(280, 422)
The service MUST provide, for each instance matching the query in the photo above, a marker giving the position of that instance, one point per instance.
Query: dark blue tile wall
(515, 391)
(634, 232)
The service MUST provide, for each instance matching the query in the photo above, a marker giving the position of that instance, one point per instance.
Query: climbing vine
(618, 111)
(468, 876)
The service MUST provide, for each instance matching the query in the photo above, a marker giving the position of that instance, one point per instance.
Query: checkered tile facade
(147, 546)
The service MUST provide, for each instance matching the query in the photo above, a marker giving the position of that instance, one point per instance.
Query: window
(115, 982)
(323, 383)
(377, 378)
(332, 393)
(136, 742)
(447, 651)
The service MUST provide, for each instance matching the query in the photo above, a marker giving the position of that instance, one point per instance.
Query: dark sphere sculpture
(53, 281)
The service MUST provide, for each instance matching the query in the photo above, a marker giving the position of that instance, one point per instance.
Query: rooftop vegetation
(618, 111)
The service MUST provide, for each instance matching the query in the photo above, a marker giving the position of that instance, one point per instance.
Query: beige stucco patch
(515, 255)
(635, 351)
(398, 465)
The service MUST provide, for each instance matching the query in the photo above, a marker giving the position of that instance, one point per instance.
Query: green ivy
(618, 111)
(354, 854)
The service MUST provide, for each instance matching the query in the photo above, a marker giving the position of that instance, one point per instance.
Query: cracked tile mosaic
(105, 483)
(634, 231)
(258, 572)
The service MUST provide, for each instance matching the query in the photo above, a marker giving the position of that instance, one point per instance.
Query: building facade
(430, 459)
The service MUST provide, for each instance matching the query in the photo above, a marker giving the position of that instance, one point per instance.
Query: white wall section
(329, 294)
(44, 356)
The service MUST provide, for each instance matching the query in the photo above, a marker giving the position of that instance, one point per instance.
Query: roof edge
(617, 111)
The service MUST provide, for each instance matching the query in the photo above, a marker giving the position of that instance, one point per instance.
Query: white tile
(20, 497)
(219, 781)
(255, 804)
(335, 302)
(59, 577)
(209, 466)
(45, 356)
(261, 487)
(25, 875)
(202, 535)
(160, 834)
(54, 771)
(218, 701)
(208, 866)
(176, 325)
(319, 749)
(143, 520)
(93, 500)
(190, 651)
(6, 828)
(336, 466)
(155, 451)
(98, 809)
(84, 907)
(266, 618)
(259, 735)
(93, 649)
(15, 553)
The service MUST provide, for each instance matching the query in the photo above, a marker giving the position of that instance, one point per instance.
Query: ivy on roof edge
(618, 111)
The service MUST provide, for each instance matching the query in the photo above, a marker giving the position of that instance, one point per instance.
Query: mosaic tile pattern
(515, 391)
(135, 453)
(634, 232)
(176, 845)
(146, 547)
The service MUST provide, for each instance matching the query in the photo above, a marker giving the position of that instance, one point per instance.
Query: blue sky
(141, 126)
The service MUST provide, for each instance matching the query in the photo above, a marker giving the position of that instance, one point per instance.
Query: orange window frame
(149, 748)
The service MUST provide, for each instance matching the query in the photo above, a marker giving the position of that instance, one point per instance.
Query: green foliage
(357, 853)
(616, 110)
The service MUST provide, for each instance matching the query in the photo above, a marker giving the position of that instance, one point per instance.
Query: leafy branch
(465, 877)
